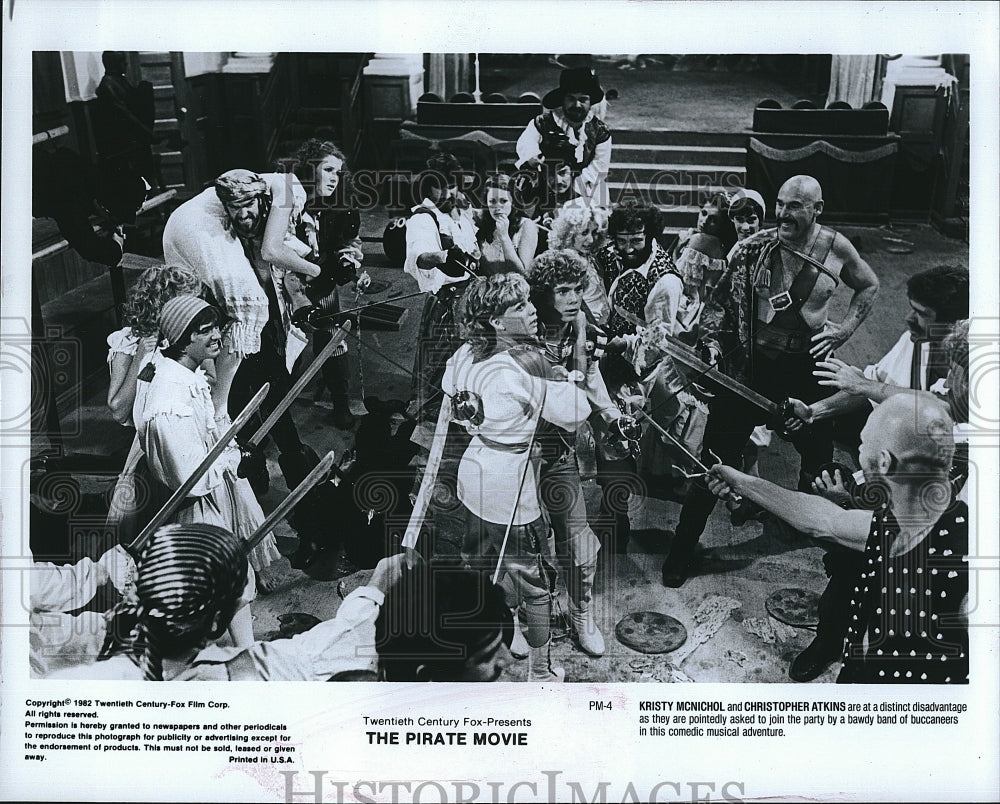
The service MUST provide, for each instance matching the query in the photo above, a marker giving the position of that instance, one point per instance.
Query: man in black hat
(571, 125)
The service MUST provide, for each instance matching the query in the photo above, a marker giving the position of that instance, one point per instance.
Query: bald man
(909, 617)
(768, 321)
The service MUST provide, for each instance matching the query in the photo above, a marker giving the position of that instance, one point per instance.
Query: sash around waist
(502, 447)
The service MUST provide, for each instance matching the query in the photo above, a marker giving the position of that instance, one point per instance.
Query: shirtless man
(768, 318)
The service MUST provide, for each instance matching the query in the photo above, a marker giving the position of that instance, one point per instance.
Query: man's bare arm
(857, 275)
(809, 513)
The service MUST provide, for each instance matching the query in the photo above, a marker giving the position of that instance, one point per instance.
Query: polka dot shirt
(905, 624)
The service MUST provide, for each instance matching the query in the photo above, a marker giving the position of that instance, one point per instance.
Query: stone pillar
(448, 73)
(394, 82)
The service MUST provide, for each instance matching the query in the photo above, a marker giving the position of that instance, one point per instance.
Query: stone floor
(730, 635)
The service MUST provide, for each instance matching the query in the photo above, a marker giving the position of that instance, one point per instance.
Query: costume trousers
(526, 572)
(576, 544)
(267, 365)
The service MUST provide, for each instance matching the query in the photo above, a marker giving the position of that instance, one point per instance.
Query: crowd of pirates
(547, 313)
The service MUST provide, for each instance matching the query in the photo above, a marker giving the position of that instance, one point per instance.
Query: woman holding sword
(499, 391)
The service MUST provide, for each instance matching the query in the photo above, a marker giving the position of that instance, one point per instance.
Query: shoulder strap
(823, 245)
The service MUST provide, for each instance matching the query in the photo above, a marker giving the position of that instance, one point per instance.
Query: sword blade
(286, 505)
(181, 493)
(643, 415)
(684, 354)
(301, 383)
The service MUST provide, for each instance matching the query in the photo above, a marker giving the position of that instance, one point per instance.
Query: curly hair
(945, 289)
(632, 215)
(483, 300)
(155, 287)
(307, 158)
(485, 225)
(573, 223)
(557, 267)
(416, 641)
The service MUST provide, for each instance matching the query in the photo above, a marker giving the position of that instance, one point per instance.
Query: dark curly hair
(945, 289)
(307, 158)
(557, 267)
(436, 619)
(632, 215)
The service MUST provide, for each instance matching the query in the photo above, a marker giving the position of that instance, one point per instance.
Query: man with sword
(558, 281)
(769, 319)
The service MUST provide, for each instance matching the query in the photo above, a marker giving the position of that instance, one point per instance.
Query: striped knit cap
(177, 314)
(187, 576)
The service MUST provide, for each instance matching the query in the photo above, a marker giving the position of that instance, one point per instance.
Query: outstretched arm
(809, 513)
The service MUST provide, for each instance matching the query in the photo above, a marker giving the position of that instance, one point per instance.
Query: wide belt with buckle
(776, 339)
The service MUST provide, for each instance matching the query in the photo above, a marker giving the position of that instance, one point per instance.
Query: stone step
(696, 175)
(678, 154)
(663, 136)
(670, 194)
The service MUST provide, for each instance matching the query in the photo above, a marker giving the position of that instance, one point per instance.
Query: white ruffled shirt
(175, 421)
(422, 236)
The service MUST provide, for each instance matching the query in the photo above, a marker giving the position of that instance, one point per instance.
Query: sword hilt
(781, 415)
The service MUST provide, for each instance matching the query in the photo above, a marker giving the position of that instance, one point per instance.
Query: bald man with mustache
(909, 612)
(768, 321)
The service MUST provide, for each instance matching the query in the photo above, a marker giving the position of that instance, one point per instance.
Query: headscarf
(177, 314)
(236, 186)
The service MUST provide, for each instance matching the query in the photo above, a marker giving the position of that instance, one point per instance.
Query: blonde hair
(571, 222)
(154, 288)
(484, 299)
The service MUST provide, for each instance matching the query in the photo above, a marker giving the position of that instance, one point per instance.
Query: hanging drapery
(852, 79)
(857, 185)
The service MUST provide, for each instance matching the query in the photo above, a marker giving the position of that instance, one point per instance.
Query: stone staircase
(675, 170)
(155, 67)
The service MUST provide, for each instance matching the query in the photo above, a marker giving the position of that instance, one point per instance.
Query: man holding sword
(769, 319)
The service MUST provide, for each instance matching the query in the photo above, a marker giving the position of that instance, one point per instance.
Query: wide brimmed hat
(575, 79)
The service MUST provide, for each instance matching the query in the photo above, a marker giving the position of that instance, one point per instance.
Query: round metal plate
(795, 607)
(651, 632)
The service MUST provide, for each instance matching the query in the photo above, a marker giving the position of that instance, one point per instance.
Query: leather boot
(580, 585)
(586, 634)
(540, 666)
(814, 660)
(679, 561)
